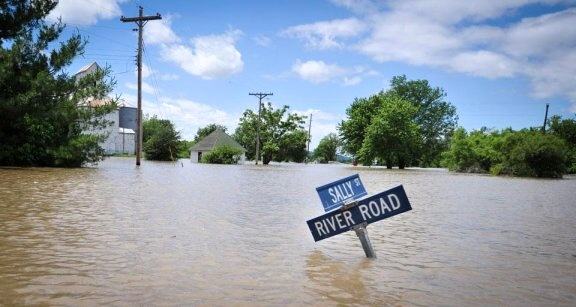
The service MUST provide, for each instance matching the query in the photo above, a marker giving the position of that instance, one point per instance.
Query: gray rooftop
(214, 139)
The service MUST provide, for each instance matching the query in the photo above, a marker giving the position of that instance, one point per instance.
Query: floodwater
(191, 234)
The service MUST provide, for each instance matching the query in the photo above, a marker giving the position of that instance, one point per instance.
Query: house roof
(88, 69)
(214, 139)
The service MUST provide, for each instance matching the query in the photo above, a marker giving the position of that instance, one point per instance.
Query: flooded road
(219, 235)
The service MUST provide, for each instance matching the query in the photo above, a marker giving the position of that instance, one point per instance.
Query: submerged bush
(507, 152)
(223, 154)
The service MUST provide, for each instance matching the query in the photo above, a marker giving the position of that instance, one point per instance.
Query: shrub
(533, 154)
(507, 152)
(223, 154)
(160, 139)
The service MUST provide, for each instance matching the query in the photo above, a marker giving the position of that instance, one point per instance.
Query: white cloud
(169, 77)
(483, 63)
(262, 40)
(146, 88)
(85, 12)
(349, 81)
(320, 72)
(459, 36)
(323, 123)
(325, 34)
(317, 71)
(209, 57)
(160, 32)
(146, 71)
(186, 114)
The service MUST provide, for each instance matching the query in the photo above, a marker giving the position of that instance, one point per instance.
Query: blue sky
(499, 61)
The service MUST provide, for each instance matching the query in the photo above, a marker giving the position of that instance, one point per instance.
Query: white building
(212, 140)
(120, 134)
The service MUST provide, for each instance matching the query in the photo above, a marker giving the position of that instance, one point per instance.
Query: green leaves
(327, 148)
(518, 153)
(434, 118)
(161, 140)
(393, 135)
(277, 128)
(223, 154)
(44, 112)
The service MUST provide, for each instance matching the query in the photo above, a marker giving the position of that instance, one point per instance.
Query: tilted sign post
(358, 214)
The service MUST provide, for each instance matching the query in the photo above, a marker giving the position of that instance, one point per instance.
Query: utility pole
(309, 137)
(260, 96)
(545, 118)
(141, 20)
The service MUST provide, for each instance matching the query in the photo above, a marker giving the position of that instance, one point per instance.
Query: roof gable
(214, 139)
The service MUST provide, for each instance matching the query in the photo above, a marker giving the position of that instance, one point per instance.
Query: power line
(154, 80)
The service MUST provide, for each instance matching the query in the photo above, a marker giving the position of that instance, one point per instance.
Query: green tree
(393, 136)
(327, 148)
(436, 118)
(223, 154)
(204, 131)
(353, 129)
(184, 148)
(161, 140)
(566, 130)
(44, 118)
(293, 146)
(275, 126)
(527, 152)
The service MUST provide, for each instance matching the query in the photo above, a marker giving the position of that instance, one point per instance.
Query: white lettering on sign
(334, 223)
(374, 210)
(341, 192)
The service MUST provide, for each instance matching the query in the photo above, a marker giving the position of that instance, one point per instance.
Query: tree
(204, 131)
(184, 148)
(353, 129)
(527, 152)
(293, 146)
(161, 140)
(223, 154)
(393, 136)
(275, 126)
(436, 118)
(566, 130)
(44, 118)
(327, 148)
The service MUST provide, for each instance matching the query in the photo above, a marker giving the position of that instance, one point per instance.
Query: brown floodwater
(192, 234)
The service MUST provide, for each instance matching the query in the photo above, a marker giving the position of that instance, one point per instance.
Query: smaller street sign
(368, 210)
(334, 194)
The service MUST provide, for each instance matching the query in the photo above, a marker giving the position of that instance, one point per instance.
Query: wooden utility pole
(141, 20)
(545, 118)
(260, 96)
(309, 137)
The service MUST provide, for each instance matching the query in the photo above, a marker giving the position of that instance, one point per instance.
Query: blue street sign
(368, 210)
(334, 194)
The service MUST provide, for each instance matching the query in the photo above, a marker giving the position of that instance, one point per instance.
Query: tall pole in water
(260, 96)
(309, 137)
(545, 118)
(141, 20)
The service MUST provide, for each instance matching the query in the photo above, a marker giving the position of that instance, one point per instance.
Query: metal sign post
(362, 233)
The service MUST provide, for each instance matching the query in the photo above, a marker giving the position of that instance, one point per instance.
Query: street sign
(367, 211)
(334, 194)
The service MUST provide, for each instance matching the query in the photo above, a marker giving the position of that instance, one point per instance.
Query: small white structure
(119, 140)
(212, 140)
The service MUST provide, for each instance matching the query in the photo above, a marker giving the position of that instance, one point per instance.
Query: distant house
(120, 134)
(212, 140)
